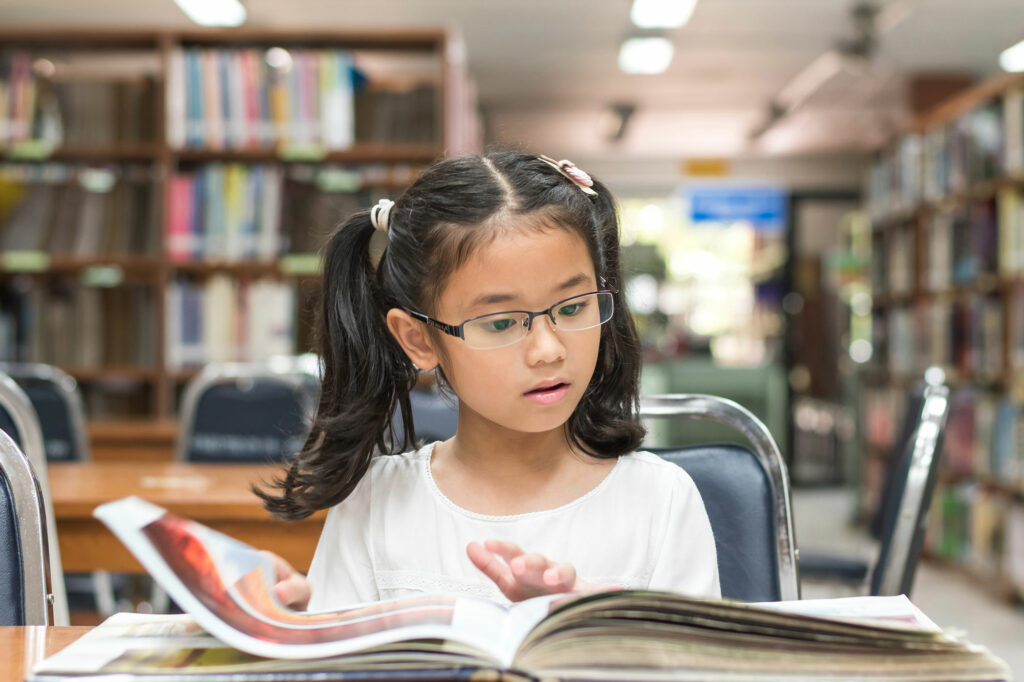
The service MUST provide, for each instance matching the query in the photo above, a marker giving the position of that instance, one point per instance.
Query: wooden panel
(23, 647)
(216, 495)
(132, 441)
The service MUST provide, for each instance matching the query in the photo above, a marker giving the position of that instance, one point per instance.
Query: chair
(58, 403)
(899, 523)
(247, 412)
(18, 421)
(746, 494)
(25, 595)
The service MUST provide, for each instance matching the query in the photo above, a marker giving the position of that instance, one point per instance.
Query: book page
(227, 587)
(173, 645)
(896, 612)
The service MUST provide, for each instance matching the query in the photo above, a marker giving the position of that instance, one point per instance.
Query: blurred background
(821, 202)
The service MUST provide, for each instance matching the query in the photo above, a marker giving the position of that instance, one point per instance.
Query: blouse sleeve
(341, 572)
(687, 562)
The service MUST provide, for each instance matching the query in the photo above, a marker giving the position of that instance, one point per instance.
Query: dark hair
(450, 211)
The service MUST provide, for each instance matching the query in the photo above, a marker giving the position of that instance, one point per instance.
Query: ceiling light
(213, 12)
(661, 13)
(1012, 58)
(645, 55)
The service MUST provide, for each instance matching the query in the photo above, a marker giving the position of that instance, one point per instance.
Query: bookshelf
(154, 185)
(947, 210)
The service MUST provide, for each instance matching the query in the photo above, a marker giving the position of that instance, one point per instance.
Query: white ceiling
(545, 68)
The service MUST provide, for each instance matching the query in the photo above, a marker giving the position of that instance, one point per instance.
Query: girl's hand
(291, 588)
(520, 575)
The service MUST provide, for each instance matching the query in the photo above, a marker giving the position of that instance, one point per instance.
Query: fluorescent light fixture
(661, 13)
(1012, 58)
(213, 12)
(645, 55)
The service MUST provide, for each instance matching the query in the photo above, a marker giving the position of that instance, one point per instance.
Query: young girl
(502, 273)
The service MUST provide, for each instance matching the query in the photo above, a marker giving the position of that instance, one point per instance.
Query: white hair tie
(380, 213)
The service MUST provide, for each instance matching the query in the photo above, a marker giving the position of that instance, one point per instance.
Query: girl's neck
(510, 453)
(496, 471)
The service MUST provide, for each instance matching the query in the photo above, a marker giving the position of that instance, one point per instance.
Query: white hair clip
(579, 177)
(380, 213)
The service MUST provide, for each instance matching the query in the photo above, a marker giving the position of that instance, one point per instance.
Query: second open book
(226, 588)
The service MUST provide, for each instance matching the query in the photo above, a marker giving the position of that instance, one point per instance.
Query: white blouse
(643, 526)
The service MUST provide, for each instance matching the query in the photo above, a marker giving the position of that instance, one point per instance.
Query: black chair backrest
(248, 417)
(7, 424)
(904, 518)
(12, 577)
(57, 403)
(740, 502)
(24, 571)
(60, 441)
(435, 416)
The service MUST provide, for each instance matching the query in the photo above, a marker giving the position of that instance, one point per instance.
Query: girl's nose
(543, 342)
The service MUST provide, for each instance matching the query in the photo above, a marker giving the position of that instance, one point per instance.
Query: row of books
(108, 326)
(301, 98)
(973, 525)
(79, 211)
(965, 334)
(223, 320)
(236, 212)
(985, 437)
(245, 98)
(960, 246)
(41, 102)
(946, 160)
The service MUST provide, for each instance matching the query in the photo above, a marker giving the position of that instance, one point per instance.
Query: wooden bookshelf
(949, 193)
(123, 101)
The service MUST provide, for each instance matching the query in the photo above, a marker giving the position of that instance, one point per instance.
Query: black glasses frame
(458, 330)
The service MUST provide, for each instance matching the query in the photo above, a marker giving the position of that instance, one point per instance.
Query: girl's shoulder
(403, 465)
(649, 467)
(391, 473)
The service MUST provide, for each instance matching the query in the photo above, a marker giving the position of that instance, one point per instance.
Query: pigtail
(365, 376)
(606, 423)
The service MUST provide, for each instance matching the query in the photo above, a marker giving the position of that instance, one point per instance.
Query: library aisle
(949, 597)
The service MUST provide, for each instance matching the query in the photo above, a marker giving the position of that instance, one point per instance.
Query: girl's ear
(411, 335)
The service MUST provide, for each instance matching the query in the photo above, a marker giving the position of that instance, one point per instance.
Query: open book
(234, 625)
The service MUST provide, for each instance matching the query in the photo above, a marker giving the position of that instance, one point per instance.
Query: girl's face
(534, 384)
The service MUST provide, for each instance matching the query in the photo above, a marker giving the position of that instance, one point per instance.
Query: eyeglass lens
(573, 314)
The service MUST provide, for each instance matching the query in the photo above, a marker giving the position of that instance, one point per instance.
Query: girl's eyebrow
(486, 299)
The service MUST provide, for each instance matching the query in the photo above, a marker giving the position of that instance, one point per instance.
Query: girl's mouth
(545, 395)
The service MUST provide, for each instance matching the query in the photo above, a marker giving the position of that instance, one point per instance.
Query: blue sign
(764, 207)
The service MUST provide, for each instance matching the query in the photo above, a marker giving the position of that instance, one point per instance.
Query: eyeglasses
(497, 330)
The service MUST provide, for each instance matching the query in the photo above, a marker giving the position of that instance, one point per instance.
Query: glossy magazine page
(227, 587)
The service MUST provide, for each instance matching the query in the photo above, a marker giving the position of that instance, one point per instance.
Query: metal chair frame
(68, 388)
(908, 528)
(19, 407)
(292, 371)
(32, 537)
(729, 413)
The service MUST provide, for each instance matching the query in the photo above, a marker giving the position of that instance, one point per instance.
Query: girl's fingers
(560, 576)
(484, 559)
(529, 568)
(506, 550)
(293, 592)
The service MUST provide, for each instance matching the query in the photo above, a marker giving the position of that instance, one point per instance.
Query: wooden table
(216, 495)
(23, 647)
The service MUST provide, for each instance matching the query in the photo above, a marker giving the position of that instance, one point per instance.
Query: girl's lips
(548, 394)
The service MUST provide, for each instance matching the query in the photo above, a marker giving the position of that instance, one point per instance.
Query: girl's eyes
(571, 309)
(499, 325)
